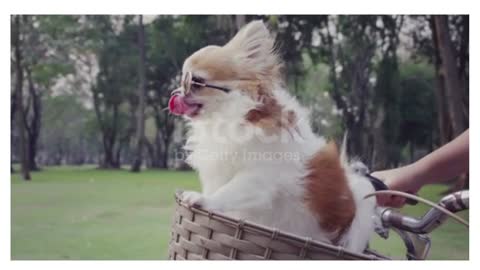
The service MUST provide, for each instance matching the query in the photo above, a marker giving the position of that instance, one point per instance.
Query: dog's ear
(253, 48)
(252, 41)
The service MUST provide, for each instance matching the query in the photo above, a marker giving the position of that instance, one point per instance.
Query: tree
(13, 110)
(172, 40)
(448, 73)
(32, 127)
(444, 41)
(355, 73)
(141, 99)
(417, 125)
(350, 62)
(294, 38)
(112, 94)
(239, 21)
(70, 132)
(44, 61)
(452, 79)
(24, 151)
(453, 42)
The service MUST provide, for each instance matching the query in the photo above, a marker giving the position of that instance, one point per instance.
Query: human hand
(442, 164)
(402, 179)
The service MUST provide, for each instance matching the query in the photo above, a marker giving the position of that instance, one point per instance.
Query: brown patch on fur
(266, 116)
(255, 89)
(328, 193)
(270, 115)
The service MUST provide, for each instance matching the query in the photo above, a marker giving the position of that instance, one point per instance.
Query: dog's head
(237, 77)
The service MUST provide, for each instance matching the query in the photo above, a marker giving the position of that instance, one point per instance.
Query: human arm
(442, 164)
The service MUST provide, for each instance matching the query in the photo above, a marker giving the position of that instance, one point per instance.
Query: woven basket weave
(201, 235)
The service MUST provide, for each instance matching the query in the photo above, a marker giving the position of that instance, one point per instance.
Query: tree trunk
(160, 150)
(32, 148)
(109, 158)
(24, 151)
(108, 150)
(379, 155)
(137, 163)
(450, 73)
(239, 21)
(451, 92)
(443, 123)
(151, 153)
(164, 159)
(13, 140)
(33, 126)
(165, 127)
(118, 161)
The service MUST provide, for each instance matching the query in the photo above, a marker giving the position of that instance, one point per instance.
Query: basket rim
(267, 231)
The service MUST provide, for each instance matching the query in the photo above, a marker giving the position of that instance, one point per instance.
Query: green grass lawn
(84, 213)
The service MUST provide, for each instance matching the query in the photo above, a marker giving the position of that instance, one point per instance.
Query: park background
(94, 153)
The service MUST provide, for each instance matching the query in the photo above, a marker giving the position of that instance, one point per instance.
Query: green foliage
(323, 114)
(387, 94)
(46, 73)
(295, 35)
(59, 27)
(118, 62)
(345, 68)
(47, 40)
(407, 94)
(67, 127)
(417, 103)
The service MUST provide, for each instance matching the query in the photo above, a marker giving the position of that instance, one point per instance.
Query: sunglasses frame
(189, 80)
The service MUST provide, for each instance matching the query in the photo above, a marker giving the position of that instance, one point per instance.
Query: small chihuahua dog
(255, 152)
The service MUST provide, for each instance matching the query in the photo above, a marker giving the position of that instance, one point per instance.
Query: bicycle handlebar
(413, 230)
(454, 202)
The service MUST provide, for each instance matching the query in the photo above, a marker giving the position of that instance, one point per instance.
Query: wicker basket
(201, 235)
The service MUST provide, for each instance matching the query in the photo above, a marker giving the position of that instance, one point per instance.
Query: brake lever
(380, 185)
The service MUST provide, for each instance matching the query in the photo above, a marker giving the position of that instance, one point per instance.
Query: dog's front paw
(193, 198)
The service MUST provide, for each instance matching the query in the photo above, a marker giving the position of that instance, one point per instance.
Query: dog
(254, 149)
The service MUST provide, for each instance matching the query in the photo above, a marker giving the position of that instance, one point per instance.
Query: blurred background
(95, 155)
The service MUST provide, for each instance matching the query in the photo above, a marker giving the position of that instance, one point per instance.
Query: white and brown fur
(316, 196)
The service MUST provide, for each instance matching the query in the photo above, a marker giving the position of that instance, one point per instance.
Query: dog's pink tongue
(177, 105)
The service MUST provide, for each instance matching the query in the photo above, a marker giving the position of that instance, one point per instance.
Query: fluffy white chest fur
(262, 178)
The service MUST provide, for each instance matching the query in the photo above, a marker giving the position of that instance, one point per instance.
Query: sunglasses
(190, 82)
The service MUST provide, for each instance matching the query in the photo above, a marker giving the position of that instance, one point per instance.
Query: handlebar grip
(411, 224)
(380, 185)
(393, 218)
(457, 201)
